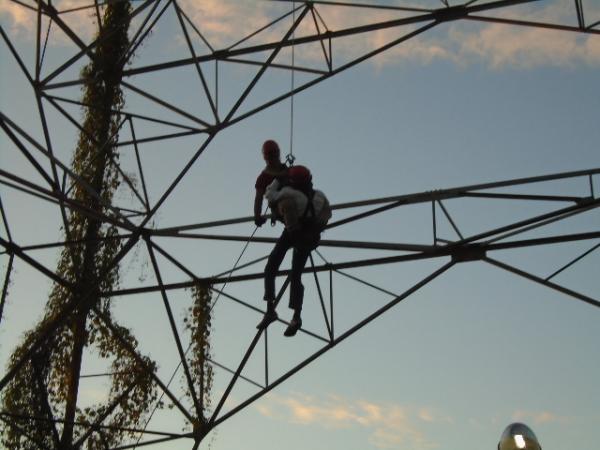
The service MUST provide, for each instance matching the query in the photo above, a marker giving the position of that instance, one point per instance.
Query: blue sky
(456, 362)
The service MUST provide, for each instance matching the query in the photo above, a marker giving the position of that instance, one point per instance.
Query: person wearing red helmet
(274, 169)
(304, 212)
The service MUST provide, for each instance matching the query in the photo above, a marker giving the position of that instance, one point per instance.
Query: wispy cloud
(498, 46)
(23, 21)
(223, 22)
(20, 18)
(389, 425)
(539, 417)
(501, 46)
(462, 43)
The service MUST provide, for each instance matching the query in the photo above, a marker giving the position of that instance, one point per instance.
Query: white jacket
(291, 204)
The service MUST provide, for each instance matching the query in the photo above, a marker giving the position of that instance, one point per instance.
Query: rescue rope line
(290, 158)
(45, 43)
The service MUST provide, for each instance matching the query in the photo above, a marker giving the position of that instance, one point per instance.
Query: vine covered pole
(102, 88)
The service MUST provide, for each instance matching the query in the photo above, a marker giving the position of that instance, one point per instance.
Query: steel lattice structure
(169, 121)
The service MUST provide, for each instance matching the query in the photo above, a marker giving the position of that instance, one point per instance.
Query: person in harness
(305, 213)
(274, 169)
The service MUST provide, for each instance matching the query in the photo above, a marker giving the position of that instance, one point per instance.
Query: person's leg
(296, 290)
(275, 258)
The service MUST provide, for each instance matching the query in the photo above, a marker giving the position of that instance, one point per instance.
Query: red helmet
(270, 150)
(299, 175)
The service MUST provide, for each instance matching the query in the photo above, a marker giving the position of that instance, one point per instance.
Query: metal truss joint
(216, 128)
(450, 13)
(201, 429)
(584, 201)
(50, 9)
(144, 233)
(471, 252)
(11, 247)
(221, 54)
(434, 194)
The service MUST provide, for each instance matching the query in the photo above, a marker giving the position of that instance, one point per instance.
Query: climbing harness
(310, 233)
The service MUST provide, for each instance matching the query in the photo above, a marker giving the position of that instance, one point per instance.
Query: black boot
(294, 325)
(269, 317)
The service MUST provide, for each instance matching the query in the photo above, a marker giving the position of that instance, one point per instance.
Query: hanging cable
(290, 158)
(45, 42)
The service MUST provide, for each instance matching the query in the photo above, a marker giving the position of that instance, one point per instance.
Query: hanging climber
(305, 213)
(274, 169)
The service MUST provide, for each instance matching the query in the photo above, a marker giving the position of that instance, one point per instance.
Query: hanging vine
(43, 398)
(198, 323)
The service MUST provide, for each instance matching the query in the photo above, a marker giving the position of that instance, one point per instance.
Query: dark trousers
(283, 244)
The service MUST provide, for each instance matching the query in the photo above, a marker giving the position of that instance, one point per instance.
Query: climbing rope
(290, 158)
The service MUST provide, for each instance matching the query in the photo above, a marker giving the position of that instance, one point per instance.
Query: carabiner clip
(289, 159)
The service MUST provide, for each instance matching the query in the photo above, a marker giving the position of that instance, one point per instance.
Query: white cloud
(501, 46)
(224, 22)
(426, 415)
(538, 417)
(23, 21)
(389, 425)
(496, 45)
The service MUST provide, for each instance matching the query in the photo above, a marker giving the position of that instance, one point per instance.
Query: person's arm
(258, 218)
